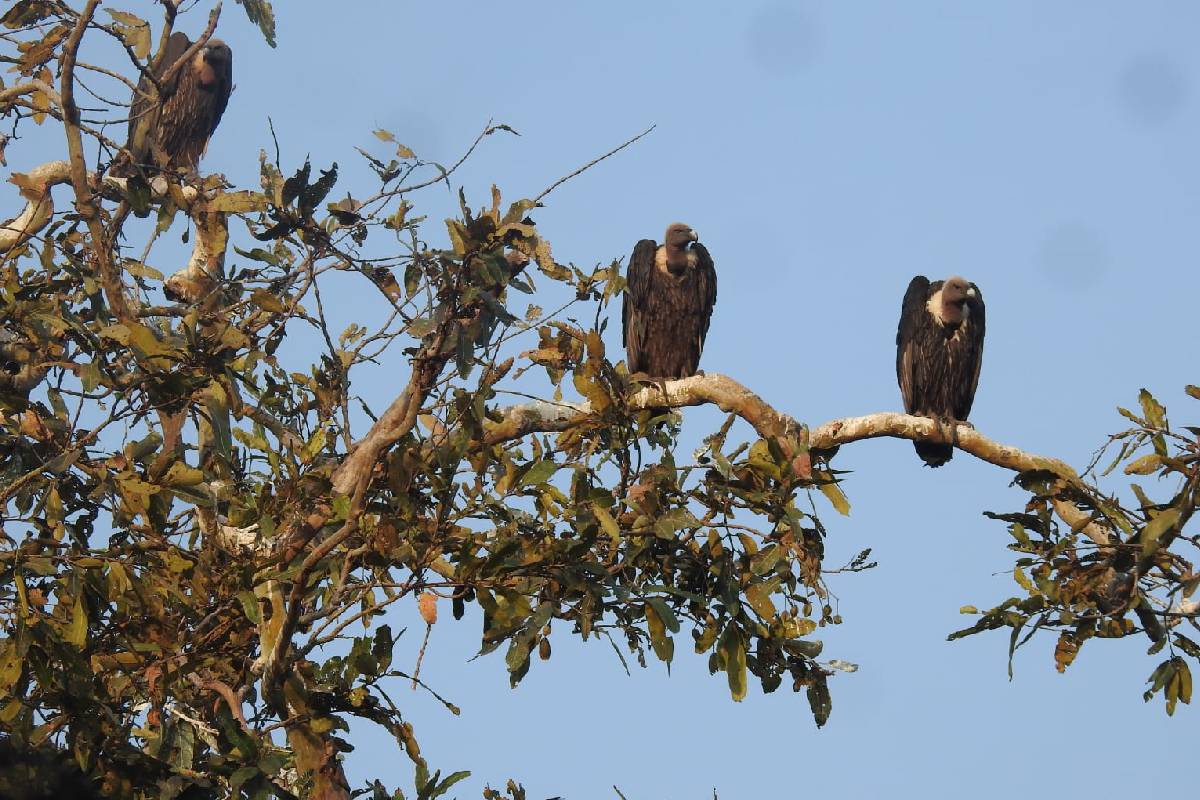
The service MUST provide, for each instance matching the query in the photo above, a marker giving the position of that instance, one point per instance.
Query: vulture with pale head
(669, 297)
(939, 349)
(173, 132)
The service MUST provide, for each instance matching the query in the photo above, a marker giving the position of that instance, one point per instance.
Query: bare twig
(591, 164)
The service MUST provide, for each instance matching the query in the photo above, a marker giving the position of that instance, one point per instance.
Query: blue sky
(826, 153)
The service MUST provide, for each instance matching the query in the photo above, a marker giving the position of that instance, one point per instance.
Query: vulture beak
(972, 293)
(695, 237)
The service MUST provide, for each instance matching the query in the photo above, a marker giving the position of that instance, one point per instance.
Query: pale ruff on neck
(660, 260)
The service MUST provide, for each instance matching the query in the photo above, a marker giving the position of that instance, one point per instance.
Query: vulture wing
(913, 315)
(222, 93)
(634, 303)
(143, 112)
(706, 288)
(976, 320)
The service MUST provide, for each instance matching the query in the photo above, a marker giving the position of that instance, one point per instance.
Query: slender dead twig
(591, 164)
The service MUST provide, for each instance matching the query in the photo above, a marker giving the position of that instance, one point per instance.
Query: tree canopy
(205, 527)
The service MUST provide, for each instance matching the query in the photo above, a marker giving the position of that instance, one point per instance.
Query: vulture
(173, 132)
(669, 297)
(939, 348)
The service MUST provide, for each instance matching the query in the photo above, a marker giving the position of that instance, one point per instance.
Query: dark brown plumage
(172, 133)
(669, 298)
(939, 349)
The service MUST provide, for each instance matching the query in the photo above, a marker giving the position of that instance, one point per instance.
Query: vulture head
(214, 64)
(956, 292)
(680, 236)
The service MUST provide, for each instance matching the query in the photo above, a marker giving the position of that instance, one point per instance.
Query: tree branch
(732, 397)
(110, 276)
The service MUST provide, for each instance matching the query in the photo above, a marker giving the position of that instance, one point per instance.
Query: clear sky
(826, 152)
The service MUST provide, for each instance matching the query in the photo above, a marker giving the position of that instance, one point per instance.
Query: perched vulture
(669, 299)
(939, 348)
(173, 132)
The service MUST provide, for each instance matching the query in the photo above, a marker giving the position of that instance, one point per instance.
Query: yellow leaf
(1144, 465)
(180, 474)
(10, 666)
(1155, 528)
(607, 522)
(733, 651)
(1065, 651)
(118, 580)
(591, 390)
(836, 496)
(759, 597)
(238, 202)
(266, 301)
(1022, 579)
(143, 339)
(76, 632)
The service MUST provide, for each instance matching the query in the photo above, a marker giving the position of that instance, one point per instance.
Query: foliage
(1084, 589)
(205, 522)
(192, 519)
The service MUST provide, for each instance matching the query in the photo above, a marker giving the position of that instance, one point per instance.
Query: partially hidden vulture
(939, 349)
(669, 297)
(173, 132)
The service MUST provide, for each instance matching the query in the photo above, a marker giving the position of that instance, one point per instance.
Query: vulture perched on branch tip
(669, 297)
(939, 349)
(172, 132)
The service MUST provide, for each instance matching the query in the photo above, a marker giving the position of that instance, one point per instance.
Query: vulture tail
(933, 454)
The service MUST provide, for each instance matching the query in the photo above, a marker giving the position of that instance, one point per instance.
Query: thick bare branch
(35, 188)
(732, 397)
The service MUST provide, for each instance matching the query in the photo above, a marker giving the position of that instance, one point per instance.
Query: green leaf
(412, 279)
(1155, 528)
(538, 472)
(819, 700)
(732, 650)
(250, 606)
(1156, 415)
(314, 445)
(261, 14)
(664, 646)
(76, 632)
(445, 785)
(664, 613)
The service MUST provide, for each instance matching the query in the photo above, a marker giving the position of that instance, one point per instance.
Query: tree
(196, 515)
